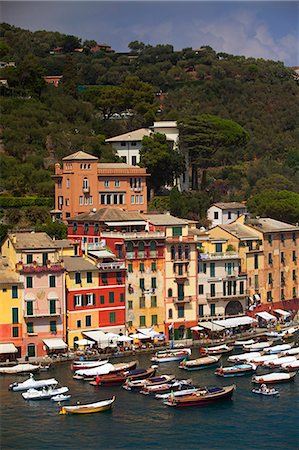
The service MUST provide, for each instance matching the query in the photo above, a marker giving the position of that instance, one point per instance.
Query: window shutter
(74, 301)
(93, 299)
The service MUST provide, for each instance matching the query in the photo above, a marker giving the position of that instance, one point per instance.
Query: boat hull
(88, 409)
(197, 400)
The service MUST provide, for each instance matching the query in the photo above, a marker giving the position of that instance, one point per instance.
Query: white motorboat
(45, 393)
(244, 356)
(31, 383)
(19, 368)
(60, 398)
(241, 343)
(218, 350)
(171, 355)
(291, 352)
(279, 361)
(264, 359)
(258, 346)
(275, 377)
(104, 370)
(277, 349)
(291, 366)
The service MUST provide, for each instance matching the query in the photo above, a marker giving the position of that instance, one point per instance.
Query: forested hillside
(107, 93)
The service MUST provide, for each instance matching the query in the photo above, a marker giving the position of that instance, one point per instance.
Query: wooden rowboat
(104, 405)
(199, 363)
(201, 397)
(275, 377)
(116, 379)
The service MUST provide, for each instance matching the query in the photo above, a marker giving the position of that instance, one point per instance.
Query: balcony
(39, 268)
(181, 276)
(132, 235)
(86, 189)
(111, 266)
(219, 255)
(181, 301)
(220, 296)
(42, 313)
(137, 189)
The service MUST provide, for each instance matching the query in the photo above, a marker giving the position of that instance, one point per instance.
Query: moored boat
(199, 363)
(263, 359)
(277, 349)
(293, 351)
(87, 364)
(258, 346)
(112, 379)
(130, 385)
(275, 377)
(244, 356)
(19, 368)
(242, 343)
(167, 387)
(201, 397)
(264, 390)
(43, 394)
(171, 355)
(279, 361)
(96, 407)
(178, 393)
(291, 366)
(218, 350)
(31, 383)
(90, 374)
(60, 398)
(235, 371)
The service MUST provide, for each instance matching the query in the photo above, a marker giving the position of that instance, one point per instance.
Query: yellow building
(11, 312)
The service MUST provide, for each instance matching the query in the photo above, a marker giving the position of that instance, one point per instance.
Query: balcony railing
(181, 276)
(221, 296)
(39, 268)
(111, 266)
(178, 300)
(42, 313)
(86, 189)
(220, 255)
(128, 235)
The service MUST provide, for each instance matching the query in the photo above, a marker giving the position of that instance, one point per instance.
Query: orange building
(83, 183)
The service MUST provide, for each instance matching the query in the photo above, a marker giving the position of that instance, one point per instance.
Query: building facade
(224, 213)
(82, 183)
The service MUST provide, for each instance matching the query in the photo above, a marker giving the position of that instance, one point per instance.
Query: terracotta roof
(135, 135)
(108, 214)
(239, 230)
(63, 243)
(78, 263)
(80, 156)
(30, 241)
(268, 225)
(164, 219)
(229, 205)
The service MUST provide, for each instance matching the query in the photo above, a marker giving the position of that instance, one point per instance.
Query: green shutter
(52, 306)
(15, 315)
(29, 308)
(176, 333)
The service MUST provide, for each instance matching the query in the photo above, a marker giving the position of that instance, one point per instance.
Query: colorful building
(11, 312)
(83, 183)
(95, 293)
(35, 258)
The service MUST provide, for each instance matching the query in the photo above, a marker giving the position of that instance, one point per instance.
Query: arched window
(169, 292)
(180, 252)
(129, 249)
(153, 248)
(172, 249)
(170, 314)
(187, 252)
(141, 246)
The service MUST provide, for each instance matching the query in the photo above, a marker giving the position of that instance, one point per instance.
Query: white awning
(266, 316)
(84, 342)
(233, 322)
(211, 326)
(257, 297)
(196, 328)
(281, 312)
(96, 335)
(140, 336)
(7, 348)
(55, 344)
(126, 223)
(101, 254)
(124, 338)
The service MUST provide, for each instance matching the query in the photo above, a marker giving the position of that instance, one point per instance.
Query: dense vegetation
(238, 117)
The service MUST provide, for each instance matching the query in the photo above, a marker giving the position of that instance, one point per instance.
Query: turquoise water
(139, 422)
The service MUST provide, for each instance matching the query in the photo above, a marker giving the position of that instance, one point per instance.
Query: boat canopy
(7, 348)
(55, 344)
(281, 312)
(266, 316)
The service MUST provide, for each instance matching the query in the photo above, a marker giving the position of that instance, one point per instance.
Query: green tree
(70, 77)
(211, 141)
(280, 205)
(163, 162)
(30, 75)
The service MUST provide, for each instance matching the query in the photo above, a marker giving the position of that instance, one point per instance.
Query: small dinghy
(60, 398)
(275, 377)
(90, 408)
(264, 390)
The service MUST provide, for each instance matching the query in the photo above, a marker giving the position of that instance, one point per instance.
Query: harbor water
(247, 421)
